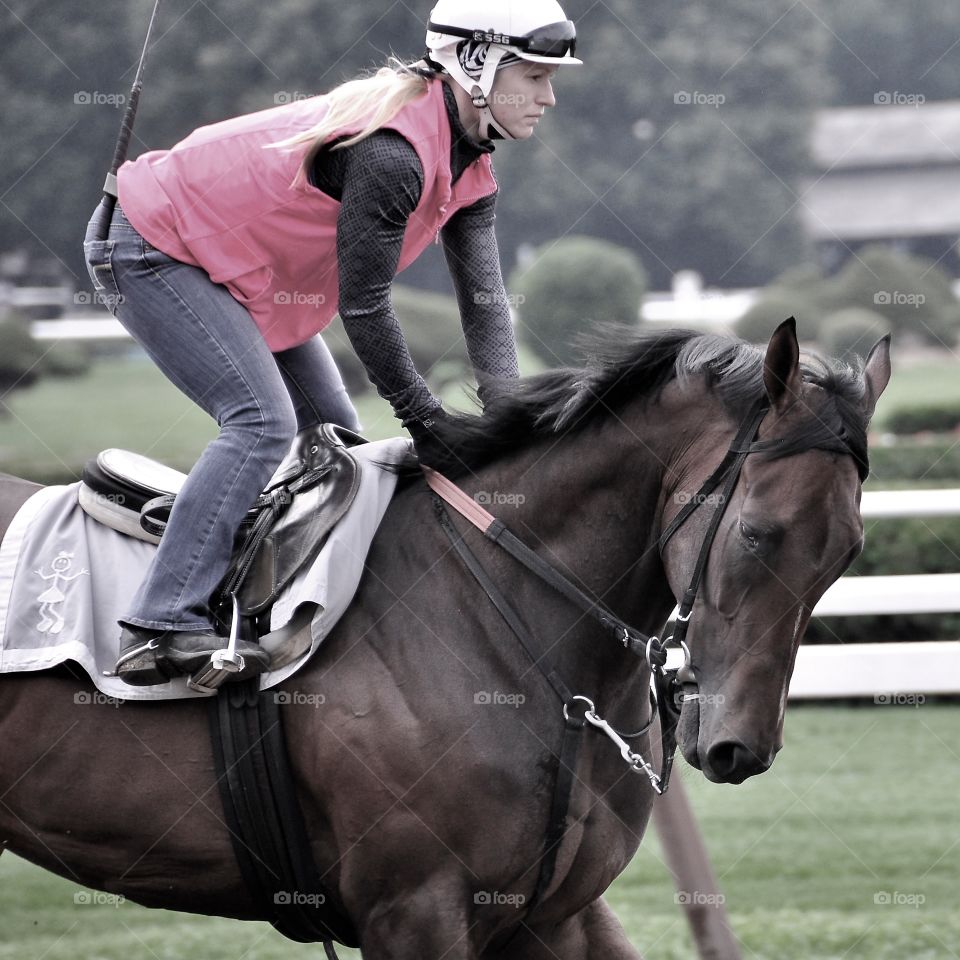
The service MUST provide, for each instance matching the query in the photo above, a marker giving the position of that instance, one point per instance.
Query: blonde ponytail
(373, 100)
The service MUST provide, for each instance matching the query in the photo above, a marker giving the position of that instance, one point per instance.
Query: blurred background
(718, 165)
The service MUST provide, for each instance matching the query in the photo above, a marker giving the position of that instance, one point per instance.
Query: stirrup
(224, 664)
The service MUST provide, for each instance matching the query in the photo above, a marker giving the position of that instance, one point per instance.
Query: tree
(852, 332)
(570, 286)
(910, 295)
(885, 46)
(684, 137)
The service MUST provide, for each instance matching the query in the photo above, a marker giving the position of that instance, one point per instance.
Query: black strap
(500, 602)
(632, 639)
(265, 821)
(573, 725)
(559, 808)
(740, 449)
(732, 461)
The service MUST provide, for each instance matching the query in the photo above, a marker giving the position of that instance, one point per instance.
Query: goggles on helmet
(553, 40)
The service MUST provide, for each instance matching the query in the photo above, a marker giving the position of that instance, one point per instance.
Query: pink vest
(217, 200)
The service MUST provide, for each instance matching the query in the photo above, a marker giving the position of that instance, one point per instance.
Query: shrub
(934, 417)
(19, 356)
(851, 332)
(911, 463)
(899, 547)
(912, 294)
(775, 306)
(573, 284)
(66, 359)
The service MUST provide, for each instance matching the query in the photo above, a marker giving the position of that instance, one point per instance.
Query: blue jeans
(207, 344)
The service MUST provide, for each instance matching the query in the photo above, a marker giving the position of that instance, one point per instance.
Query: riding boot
(155, 656)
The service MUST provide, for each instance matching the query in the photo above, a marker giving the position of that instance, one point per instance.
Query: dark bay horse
(422, 739)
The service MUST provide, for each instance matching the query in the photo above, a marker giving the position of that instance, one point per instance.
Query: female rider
(227, 254)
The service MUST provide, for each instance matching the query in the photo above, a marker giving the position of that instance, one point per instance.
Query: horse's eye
(750, 535)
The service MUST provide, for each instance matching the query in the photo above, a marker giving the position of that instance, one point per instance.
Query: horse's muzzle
(730, 761)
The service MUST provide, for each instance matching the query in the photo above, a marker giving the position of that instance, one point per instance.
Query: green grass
(914, 384)
(860, 802)
(53, 428)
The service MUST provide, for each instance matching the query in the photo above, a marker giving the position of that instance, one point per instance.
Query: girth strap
(264, 818)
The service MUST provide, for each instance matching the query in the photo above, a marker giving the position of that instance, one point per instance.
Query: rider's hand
(427, 432)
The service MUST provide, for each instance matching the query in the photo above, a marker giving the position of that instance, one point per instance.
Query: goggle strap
(525, 43)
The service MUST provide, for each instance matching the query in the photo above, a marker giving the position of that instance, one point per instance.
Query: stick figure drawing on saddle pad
(51, 620)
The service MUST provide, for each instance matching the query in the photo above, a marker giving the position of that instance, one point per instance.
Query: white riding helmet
(536, 30)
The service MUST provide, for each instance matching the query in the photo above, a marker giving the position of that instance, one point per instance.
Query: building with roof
(889, 173)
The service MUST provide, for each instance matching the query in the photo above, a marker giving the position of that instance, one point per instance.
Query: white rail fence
(887, 670)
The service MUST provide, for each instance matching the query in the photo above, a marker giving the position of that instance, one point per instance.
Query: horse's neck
(589, 504)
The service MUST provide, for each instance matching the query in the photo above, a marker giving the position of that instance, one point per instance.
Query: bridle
(726, 476)
(650, 648)
(669, 686)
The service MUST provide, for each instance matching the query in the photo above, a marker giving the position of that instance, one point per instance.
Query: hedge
(936, 463)
(933, 417)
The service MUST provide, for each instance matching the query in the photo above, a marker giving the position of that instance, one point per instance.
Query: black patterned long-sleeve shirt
(378, 182)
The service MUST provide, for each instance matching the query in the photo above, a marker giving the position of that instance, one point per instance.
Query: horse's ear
(876, 374)
(781, 366)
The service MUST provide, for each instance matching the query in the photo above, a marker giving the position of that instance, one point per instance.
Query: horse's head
(790, 527)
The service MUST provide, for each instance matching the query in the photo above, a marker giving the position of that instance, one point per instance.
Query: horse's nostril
(732, 761)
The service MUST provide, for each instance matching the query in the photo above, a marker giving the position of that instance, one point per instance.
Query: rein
(668, 686)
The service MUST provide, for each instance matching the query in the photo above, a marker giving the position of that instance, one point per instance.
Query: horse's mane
(624, 367)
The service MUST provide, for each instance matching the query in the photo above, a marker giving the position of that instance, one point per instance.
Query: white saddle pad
(65, 579)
